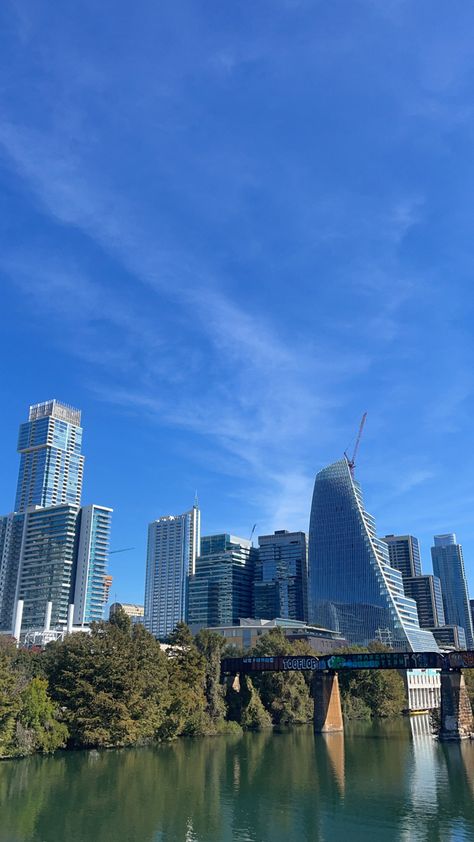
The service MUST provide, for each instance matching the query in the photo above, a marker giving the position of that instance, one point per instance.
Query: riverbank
(116, 688)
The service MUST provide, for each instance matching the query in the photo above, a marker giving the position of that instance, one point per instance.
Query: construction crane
(124, 550)
(351, 462)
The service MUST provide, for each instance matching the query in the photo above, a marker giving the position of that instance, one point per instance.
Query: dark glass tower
(220, 591)
(281, 573)
(353, 588)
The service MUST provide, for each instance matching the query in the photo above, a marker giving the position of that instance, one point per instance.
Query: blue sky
(227, 229)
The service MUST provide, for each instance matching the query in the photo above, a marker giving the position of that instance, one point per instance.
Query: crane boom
(351, 462)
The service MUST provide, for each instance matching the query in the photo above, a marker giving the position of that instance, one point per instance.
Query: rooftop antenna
(351, 462)
(196, 500)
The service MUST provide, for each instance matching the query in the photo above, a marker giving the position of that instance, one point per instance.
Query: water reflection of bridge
(456, 712)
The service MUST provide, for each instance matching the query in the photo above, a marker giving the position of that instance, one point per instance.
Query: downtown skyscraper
(173, 546)
(281, 574)
(51, 549)
(448, 566)
(51, 462)
(353, 588)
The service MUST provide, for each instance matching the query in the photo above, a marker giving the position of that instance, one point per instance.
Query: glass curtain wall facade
(47, 564)
(353, 588)
(448, 566)
(93, 550)
(426, 591)
(281, 576)
(39, 542)
(220, 591)
(173, 542)
(11, 534)
(51, 464)
(404, 554)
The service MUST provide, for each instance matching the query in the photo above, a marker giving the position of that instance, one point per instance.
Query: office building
(281, 574)
(404, 554)
(471, 603)
(220, 591)
(245, 633)
(135, 612)
(173, 545)
(450, 637)
(353, 588)
(426, 591)
(90, 592)
(51, 464)
(448, 566)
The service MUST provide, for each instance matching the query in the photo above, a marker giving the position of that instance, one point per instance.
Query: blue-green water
(375, 782)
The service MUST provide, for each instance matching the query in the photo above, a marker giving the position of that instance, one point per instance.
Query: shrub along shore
(116, 687)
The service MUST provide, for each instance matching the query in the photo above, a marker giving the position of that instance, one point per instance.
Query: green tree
(9, 702)
(378, 693)
(112, 685)
(211, 646)
(285, 695)
(38, 728)
(187, 712)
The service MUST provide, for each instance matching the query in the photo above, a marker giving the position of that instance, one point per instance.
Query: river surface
(375, 783)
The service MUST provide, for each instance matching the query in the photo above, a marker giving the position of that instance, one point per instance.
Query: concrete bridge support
(327, 703)
(457, 721)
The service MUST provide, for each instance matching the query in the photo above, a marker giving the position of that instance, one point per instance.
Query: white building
(173, 544)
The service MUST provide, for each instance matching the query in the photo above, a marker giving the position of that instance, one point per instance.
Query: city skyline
(132, 583)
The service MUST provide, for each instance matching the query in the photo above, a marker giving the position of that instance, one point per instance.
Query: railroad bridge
(456, 720)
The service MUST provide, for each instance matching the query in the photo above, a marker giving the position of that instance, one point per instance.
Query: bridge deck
(350, 661)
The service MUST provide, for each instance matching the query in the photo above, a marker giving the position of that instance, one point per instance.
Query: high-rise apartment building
(47, 563)
(426, 591)
(281, 574)
(51, 550)
(90, 592)
(353, 588)
(404, 554)
(11, 534)
(173, 545)
(448, 566)
(220, 591)
(51, 464)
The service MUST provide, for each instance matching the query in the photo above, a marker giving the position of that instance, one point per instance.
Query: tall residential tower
(448, 565)
(51, 464)
(173, 545)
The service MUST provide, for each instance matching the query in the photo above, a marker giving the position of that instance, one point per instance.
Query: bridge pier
(457, 721)
(327, 703)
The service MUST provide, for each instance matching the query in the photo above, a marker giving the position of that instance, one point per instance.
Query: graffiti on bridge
(350, 661)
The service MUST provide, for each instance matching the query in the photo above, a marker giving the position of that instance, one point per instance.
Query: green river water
(375, 783)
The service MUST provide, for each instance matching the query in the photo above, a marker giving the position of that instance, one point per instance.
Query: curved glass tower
(353, 588)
